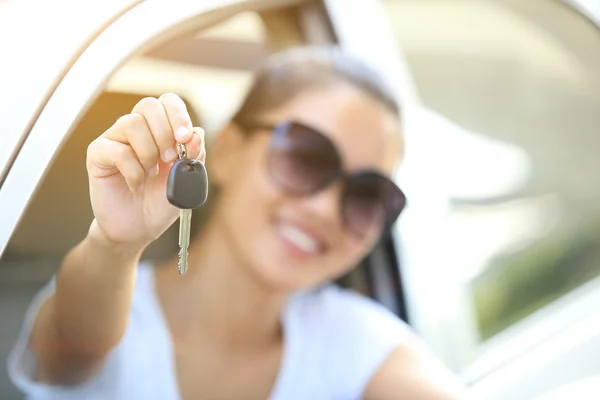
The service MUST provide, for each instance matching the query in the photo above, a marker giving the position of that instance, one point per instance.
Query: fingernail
(169, 155)
(181, 133)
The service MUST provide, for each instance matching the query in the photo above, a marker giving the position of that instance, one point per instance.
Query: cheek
(250, 197)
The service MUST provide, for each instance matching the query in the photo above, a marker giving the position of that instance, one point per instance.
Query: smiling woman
(259, 270)
(303, 198)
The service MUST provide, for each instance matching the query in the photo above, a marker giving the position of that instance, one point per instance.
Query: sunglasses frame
(392, 213)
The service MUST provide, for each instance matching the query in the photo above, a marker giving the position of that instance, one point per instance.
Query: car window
(210, 69)
(520, 80)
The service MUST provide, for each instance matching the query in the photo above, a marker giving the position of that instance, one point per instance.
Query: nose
(325, 204)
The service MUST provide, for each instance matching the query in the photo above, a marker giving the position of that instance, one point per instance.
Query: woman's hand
(128, 166)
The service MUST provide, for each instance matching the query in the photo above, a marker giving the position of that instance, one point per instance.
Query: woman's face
(293, 242)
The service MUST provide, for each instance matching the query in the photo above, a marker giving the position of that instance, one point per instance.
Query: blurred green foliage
(516, 285)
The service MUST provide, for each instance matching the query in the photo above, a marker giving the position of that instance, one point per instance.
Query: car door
(36, 56)
(116, 54)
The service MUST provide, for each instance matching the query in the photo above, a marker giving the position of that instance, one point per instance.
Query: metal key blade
(185, 224)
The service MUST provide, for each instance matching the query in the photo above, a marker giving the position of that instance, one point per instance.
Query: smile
(299, 240)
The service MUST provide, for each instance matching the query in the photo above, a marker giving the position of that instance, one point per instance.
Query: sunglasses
(302, 161)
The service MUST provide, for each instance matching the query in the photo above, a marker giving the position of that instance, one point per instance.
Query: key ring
(182, 152)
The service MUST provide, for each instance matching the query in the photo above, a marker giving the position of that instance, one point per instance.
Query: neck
(219, 297)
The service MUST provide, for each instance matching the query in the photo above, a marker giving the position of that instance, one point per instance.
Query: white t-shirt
(334, 341)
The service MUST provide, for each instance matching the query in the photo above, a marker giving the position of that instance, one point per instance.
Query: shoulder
(368, 352)
(355, 334)
(341, 309)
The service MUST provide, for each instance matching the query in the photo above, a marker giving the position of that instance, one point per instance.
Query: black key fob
(187, 184)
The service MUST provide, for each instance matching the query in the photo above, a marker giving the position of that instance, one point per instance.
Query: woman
(304, 193)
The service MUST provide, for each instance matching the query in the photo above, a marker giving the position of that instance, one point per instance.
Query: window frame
(34, 81)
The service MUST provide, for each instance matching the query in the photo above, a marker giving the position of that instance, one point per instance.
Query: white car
(496, 261)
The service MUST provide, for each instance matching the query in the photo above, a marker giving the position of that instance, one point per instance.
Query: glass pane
(522, 80)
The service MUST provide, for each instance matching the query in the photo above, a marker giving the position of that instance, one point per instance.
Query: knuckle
(121, 121)
(149, 158)
(137, 122)
(91, 151)
(131, 123)
(169, 97)
(123, 152)
(174, 106)
(147, 103)
(91, 147)
(180, 119)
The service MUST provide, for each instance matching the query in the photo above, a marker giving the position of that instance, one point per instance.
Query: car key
(187, 189)
(185, 224)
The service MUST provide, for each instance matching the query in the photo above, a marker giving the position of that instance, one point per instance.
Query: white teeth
(299, 238)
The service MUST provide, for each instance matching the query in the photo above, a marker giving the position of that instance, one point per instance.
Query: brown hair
(286, 74)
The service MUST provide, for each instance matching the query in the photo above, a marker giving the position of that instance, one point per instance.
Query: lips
(300, 239)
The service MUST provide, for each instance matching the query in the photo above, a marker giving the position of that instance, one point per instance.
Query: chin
(278, 276)
(279, 272)
(290, 258)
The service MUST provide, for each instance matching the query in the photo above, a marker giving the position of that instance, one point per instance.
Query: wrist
(120, 250)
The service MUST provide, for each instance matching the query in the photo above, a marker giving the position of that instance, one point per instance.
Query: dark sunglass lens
(301, 160)
(370, 203)
(364, 209)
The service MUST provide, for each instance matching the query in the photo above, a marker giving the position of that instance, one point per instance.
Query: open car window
(515, 87)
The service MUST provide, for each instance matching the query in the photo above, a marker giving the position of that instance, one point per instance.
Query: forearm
(94, 290)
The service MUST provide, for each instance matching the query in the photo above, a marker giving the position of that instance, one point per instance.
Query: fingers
(167, 119)
(178, 117)
(147, 135)
(107, 157)
(133, 130)
(158, 122)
